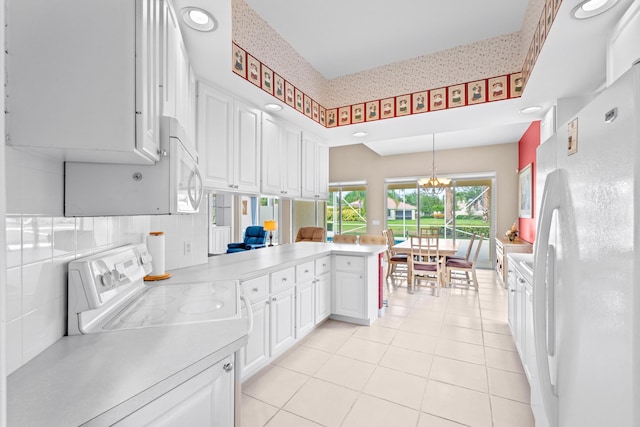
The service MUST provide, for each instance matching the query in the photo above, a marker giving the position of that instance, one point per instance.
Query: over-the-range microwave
(172, 186)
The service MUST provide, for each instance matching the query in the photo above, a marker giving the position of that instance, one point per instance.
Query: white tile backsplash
(41, 242)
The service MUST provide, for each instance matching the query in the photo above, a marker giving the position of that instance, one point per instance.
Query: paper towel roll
(155, 246)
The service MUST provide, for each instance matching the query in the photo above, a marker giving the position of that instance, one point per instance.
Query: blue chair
(255, 237)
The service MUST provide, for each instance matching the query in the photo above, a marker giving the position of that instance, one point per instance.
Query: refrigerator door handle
(551, 299)
(543, 289)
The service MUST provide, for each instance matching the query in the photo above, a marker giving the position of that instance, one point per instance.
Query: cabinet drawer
(323, 265)
(282, 279)
(349, 263)
(256, 289)
(304, 272)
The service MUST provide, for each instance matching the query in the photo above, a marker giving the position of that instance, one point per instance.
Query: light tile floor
(429, 362)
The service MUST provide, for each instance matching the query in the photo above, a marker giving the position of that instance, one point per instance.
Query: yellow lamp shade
(270, 225)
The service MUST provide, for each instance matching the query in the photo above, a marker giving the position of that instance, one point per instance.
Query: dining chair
(344, 238)
(425, 262)
(469, 248)
(310, 234)
(457, 270)
(394, 259)
(370, 239)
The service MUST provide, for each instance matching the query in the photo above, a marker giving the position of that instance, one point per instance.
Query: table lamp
(271, 225)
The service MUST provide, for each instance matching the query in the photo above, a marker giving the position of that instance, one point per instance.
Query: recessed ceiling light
(360, 134)
(199, 19)
(532, 109)
(590, 8)
(273, 107)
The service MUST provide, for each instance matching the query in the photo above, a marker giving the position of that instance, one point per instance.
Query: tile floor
(430, 361)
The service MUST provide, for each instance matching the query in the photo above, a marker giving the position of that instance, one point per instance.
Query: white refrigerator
(586, 294)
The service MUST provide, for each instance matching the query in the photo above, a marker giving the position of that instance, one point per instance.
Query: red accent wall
(527, 155)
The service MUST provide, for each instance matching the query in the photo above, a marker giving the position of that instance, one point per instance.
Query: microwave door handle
(196, 198)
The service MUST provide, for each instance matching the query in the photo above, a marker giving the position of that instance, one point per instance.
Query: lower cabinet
(205, 399)
(349, 294)
(283, 332)
(255, 354)
(323, 297)
(305, 308)
(355, 289)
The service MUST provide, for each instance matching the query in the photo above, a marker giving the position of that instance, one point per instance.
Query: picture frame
(497, 88)
(322, 114)
(476, 92)
(344, 116)
(267, 79)
(515, 85)
(525, 192)
(419, 102)
(438, 99)
(315, 111)
(332, 117)
(372, 110)
(298, 104)
(278, 87)
(387, 108)
(288, 91)
(253, 70)
(403, 105)
(572, 137)
(550, 14)
(239, 61)
(357, 113)
(457, 96)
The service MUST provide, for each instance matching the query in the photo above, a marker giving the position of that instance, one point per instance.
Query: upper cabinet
(280, 158)
(77, 84)
(228, 140)
(315, 168)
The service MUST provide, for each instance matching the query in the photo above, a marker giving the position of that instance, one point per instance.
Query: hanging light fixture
(434, 183)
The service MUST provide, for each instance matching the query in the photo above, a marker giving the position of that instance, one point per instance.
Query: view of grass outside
(347, 210)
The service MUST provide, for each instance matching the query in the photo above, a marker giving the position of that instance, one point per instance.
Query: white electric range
(107, 293)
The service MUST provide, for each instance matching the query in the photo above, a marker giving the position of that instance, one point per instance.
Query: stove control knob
(107, 280)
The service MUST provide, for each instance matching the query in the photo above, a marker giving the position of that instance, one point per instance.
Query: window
(347, 209)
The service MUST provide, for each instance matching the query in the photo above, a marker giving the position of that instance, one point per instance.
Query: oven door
(186, 180)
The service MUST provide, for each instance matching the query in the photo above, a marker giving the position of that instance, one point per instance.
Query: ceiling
(571, 64)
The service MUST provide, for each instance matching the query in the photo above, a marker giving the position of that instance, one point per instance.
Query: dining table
(446, 247)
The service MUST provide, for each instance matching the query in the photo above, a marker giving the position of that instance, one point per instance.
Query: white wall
(41, 242)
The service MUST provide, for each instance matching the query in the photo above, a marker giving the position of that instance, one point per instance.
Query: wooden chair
(469, 248)
(345, 238)
(457, 270)
(394, 259)
(369, 239)
(425, 262)
(429, 231)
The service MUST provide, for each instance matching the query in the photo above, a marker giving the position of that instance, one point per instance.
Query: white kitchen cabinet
(228, 142)
(206, 399)
(280, 158)
(315, 168)
(93, 92)
(178, 79)
(323, 297)
(282, 328)
(256, 354)
(355, 288)
(305, 308)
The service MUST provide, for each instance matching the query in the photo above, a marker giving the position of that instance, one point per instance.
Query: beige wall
(358, 163)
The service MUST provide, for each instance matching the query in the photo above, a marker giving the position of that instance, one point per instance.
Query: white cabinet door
(282, 321)
(323, 297)
(206, 399)
(255, 354)
(315, 168)
(215, 138)
(148, 80)
(349, 292)
(291, 161)
(271, 156)
(170, 40)
(247, 138)
(305, 307)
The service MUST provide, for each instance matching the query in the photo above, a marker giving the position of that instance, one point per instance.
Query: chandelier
(434, 183)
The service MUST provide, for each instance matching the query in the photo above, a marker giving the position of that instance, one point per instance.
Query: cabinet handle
(512, 291)
(520, 280)
(254, 290)
(274, 299)
(228, 367)
(348, 262)
(284, 279)
(306, 271)
(324, 265)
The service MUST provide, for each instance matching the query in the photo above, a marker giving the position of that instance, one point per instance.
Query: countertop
(98, 378)
(524, 264)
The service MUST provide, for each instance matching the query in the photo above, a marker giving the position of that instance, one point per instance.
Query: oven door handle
(249, 313)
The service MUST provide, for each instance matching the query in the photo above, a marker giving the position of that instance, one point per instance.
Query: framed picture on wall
(278, 86)
(239, 58)
(267, 79)
(254, 70)
(525, 192)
